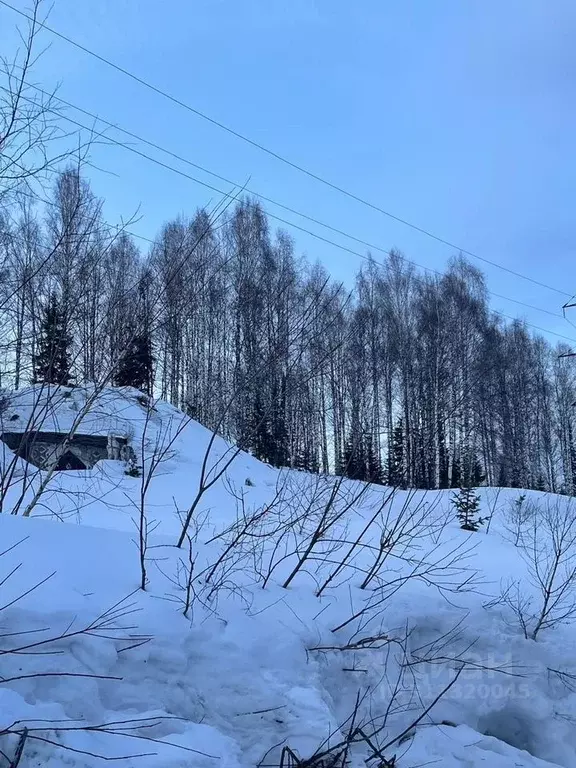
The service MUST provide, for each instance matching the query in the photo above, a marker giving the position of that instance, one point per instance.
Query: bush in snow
(549, 551)
(467, 504)
(518, 516)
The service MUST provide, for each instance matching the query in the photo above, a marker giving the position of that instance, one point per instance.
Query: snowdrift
(303, 618)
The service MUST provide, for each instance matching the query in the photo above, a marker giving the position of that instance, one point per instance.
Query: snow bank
(255, 667)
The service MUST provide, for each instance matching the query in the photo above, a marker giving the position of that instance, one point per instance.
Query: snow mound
(302, 616)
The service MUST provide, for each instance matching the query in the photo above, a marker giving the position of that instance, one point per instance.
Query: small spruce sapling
(467, 504)
(132, 469)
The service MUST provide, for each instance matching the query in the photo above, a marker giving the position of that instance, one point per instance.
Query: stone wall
(43, 449)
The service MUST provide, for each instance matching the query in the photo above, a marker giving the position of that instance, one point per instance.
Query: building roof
(16, 438)
(50, 409)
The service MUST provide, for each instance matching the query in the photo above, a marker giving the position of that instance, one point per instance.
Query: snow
(252, 669)
(48, 408)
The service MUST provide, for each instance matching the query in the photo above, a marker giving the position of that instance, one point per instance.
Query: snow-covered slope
(260, 640)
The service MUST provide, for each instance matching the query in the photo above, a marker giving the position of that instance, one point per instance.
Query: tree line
(405, 378)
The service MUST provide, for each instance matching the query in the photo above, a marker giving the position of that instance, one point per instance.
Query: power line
(128, 147)
(310, 232)
(274, 154)
(218, 176)
(537, 327)
(494, 311)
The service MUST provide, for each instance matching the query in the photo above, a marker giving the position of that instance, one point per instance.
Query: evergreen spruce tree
(353, 462)
(135, 366)
(306, 460)
(374, 472)
(51, 362)
(477, 475)
(443, 458)
(467, 504)
(347, 460)
(396, 476)
(313, 462)
(278, 436)
(191, 408)
(262, 442)
(301, 459)
(423, 466)
(456, 480)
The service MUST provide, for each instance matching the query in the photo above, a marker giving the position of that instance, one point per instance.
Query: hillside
(299, 610)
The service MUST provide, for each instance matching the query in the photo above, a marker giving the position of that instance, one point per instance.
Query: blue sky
(458, 116)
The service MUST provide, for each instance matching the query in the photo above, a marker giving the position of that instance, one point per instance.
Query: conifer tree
(135, 366)
(467, 503)
(422, 469)
(300, 459)
(312, 461)
(473, 474)
(374, 472)
(51, 362)
(353, 462)
(478, 475)
(396, 475)
(456, 479)
(261, 440)
(306, 460)
(502, 477)
(443, 458)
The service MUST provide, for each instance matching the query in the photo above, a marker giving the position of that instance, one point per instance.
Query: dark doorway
(69, 460)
